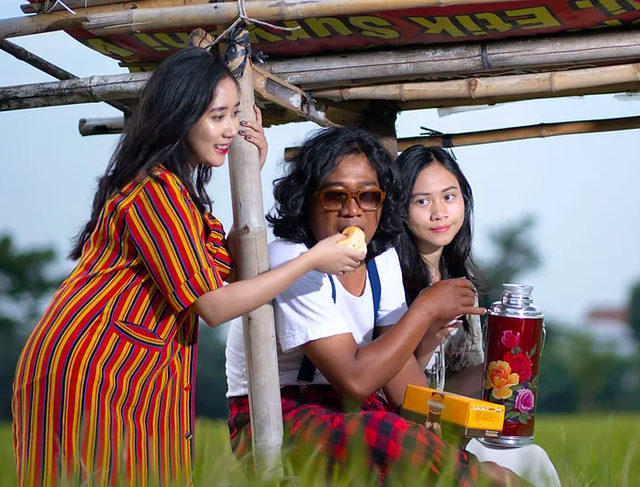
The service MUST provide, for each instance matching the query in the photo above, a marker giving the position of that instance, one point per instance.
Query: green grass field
(588, 451)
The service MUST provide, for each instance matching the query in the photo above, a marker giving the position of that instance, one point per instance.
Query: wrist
(426, 312)
(427, 346)
(308, 260)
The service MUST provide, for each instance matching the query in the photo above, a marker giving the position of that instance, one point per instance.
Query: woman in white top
(436, 245)
(332, 357)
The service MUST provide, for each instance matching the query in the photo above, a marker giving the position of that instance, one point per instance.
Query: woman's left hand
(253, 132)
(437, 334)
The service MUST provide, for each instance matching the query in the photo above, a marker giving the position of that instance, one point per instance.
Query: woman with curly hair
(332, 354)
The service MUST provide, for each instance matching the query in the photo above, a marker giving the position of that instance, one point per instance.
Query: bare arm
(411, 373)
(238, 298)
(357, 372)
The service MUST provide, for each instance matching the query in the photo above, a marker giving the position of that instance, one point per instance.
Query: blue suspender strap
(307, 370)
(376, 288)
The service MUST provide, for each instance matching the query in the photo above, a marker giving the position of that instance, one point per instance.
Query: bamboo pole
(101, 126)
(258, 325)
(198, 15)
(73, 91)
(64, 20)
(126, 86)
(542, 130)
(530, 84)
(51, 69)
(36, 8)
(501, 89)
(494, 100)
(356, 68)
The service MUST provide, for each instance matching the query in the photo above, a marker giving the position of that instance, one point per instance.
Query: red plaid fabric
(318, 418)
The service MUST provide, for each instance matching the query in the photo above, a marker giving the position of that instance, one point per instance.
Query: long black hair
(310, 167)
(456, 260)
(173, 100)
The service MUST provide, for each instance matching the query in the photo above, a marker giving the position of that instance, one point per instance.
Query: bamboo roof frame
(578, 82)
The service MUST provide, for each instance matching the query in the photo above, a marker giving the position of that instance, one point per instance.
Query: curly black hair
(307, 172)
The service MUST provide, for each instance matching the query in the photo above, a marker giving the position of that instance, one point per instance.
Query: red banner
(420, 26)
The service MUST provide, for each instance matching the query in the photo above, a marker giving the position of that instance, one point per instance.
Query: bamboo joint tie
(48, 9)
(243, 17)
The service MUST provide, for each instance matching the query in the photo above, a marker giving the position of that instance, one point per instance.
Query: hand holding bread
(337, 254)
(355, 239)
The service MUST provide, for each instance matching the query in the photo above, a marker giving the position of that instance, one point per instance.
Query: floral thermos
(514, 339)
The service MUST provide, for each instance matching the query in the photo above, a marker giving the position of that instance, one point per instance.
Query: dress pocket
(139, 335)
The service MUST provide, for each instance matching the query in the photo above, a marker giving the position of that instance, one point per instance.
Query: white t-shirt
(306, 312)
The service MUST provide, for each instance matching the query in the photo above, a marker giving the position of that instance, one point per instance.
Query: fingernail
(244, 122)
(247, 137)
(242, 132)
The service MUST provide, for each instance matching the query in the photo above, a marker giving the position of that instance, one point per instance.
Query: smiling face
(436, 209)
(353, 173)
(210, 137)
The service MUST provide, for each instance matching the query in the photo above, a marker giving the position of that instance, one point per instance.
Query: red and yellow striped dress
(104, 388)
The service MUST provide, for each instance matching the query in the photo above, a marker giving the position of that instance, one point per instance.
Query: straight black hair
(173, 100)
(456, 260)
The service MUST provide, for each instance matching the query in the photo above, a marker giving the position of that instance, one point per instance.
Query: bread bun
(355, 239)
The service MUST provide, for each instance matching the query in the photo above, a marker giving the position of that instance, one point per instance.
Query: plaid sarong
(317, 418)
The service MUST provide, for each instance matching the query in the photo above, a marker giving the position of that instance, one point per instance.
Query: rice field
(588, 451)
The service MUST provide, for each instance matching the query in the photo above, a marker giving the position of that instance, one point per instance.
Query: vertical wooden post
(380, 119)
(253, 259)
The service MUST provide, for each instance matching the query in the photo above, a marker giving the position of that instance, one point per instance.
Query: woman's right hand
(449, 299)
(330, 258)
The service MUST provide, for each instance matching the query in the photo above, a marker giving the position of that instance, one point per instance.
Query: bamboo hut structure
(347, 62)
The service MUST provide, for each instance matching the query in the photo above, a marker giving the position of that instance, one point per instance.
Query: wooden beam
(155, 15)
(51, 69)
(445, 61)
(289, 97)
(64, 20)
(474, 91)
(36, 8)
(542, 130)
(198, 15)
(100, 126)
(380, 119)
(113, 87)
(555, 82)
(495, 100)
(72, 91)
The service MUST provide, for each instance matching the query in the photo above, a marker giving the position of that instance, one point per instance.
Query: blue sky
(582, 189)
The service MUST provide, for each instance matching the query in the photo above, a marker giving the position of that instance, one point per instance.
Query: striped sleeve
(167, 231)
(217, 246)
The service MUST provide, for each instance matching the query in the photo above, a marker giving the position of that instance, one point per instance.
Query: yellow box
(462, 415)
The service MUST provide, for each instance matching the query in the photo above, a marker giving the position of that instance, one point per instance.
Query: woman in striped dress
(104, 391)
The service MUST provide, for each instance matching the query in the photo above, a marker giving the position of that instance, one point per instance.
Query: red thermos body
(514, 339)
